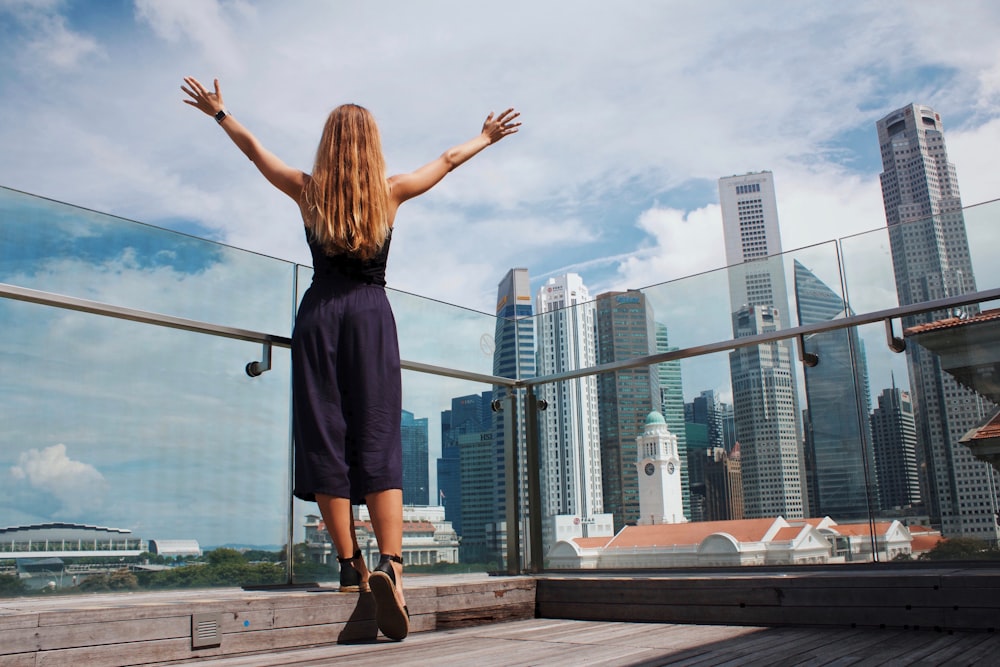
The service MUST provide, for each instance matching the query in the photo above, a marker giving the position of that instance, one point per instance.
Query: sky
(631, 113)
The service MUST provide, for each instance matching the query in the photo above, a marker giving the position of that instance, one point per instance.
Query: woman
(346, 382)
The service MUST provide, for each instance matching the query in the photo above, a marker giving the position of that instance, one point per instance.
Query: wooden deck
(561, 643)
(803, 616)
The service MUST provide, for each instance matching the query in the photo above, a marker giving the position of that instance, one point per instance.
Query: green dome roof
(655, 417)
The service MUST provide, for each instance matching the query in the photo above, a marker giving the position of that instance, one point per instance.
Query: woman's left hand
(205, 100)
(497, 128)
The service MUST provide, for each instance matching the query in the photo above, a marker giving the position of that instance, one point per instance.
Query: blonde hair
(346, 200)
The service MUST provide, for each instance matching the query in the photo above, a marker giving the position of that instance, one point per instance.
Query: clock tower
(660, 497)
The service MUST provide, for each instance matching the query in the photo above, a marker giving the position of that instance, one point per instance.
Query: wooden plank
(116, 632)
(17, 621)
(20, 640)
(18, 660)
(115, 655)
(320, 611)
(463, 618)
(729, 615)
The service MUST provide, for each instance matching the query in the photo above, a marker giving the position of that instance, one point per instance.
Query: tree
(963, 548)
(11, 585)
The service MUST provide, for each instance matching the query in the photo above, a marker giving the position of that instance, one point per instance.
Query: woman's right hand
(497, 128)
(201, 98)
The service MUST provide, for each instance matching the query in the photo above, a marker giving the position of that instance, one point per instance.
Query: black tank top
(370, 271)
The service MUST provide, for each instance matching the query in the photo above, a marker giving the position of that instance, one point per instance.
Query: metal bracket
(257, 368)
(808, 359)
(895, 343)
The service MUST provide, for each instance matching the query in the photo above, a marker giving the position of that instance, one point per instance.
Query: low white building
(774, 541)
(427, 537)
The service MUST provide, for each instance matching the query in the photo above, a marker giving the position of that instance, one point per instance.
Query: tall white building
(569, 428)
(930, 258)
(765, 399)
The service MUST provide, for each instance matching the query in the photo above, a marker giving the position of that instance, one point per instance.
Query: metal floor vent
(206, 630)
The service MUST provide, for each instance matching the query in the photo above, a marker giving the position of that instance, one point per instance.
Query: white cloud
(46, 37)
(208, 24)
(79, 487)
(683, 244)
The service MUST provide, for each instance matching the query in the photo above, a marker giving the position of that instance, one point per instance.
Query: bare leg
(386, 510)
(339, 523)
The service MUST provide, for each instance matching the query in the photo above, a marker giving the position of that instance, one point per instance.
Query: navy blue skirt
(346, 391)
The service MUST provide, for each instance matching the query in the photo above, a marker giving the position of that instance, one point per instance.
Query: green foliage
(963, 548)
(11, 584)
(223, 556)
(223, 567)
(119, 580)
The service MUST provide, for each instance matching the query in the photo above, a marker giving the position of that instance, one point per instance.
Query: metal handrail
(887, 315)
(254, 368)
(147, 317)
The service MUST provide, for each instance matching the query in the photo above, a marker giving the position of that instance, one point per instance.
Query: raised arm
(407, 186)
(280, 175)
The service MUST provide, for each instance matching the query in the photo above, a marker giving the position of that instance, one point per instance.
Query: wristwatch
(219, 117)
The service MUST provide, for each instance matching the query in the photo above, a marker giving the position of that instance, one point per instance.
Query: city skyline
(612, 177)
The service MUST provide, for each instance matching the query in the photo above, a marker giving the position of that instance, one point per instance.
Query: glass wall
(829, 447)
(128, 450)
(152, 447)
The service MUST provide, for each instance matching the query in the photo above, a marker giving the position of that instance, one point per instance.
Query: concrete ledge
(944, 599)
(156, 628)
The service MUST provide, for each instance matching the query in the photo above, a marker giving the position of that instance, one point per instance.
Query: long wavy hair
(346, 200)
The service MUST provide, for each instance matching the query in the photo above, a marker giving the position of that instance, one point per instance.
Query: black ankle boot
(350, 575)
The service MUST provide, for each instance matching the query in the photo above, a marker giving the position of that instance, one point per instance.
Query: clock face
(650, 468)
(670, 468)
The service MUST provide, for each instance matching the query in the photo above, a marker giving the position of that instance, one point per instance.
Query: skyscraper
(569, 428)
(624, 331)
(765, 400)
(672, 408)
(764, 405)
(894, 437)
(468, 415)
(840, 461)
(708, 410)
(513, 357)
(415, 460)
(930, 258)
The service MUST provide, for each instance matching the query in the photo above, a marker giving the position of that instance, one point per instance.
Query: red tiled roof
(862, 528)
(990, 429)
(787, 534)
(951, 322)
(922, 543)
(668, 534)
(591, 542)
(920, 529)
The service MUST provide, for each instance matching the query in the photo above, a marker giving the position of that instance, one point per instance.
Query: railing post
(512, 497)
(533, 468)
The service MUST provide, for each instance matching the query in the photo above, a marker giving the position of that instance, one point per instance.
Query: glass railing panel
(453, 488)
(138, 457)
(949, 255)
(982, 224)
(55, 247)
(726, 480)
